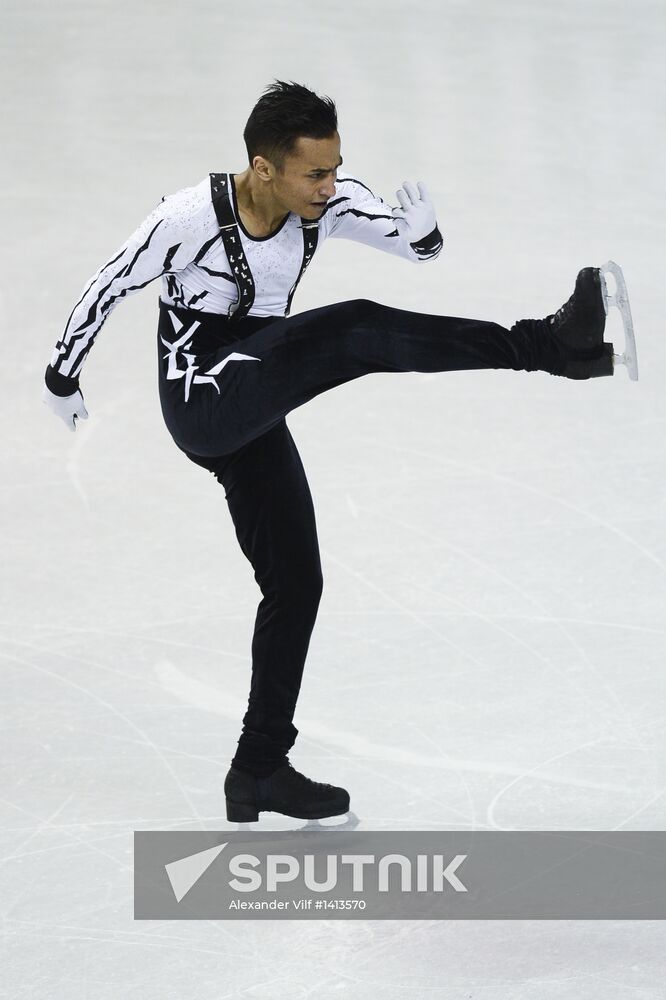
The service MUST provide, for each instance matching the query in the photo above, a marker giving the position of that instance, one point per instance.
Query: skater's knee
(366, 305)
(358, 308)
(307, 584)
(298, 586)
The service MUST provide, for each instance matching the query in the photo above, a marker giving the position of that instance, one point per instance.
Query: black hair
(284, 112)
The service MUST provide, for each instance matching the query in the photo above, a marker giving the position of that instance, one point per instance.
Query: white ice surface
(490, 645)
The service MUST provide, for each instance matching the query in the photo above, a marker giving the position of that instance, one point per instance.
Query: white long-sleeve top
(180, 242)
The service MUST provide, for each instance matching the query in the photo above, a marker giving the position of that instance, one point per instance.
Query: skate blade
(620, 298)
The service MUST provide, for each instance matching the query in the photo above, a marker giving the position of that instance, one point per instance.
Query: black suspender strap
(310, 237)
(220, 186)
(219, 189)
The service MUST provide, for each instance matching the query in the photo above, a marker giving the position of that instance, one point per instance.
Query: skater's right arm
(166, 241)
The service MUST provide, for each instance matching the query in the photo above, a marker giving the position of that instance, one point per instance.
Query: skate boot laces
(309, 782)
(563, 314)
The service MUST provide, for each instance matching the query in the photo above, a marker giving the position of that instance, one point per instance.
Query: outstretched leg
(223, 400)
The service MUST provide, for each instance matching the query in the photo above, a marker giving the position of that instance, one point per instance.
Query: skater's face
(308, 180)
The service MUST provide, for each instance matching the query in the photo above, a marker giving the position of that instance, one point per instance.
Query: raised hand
(417, 210)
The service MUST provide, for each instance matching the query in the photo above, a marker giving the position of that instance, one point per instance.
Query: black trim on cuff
(429, 244)
(60, 385)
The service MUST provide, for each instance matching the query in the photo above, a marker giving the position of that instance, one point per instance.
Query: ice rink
(490, 649)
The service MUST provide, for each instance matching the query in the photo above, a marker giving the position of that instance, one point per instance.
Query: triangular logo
(186, 871)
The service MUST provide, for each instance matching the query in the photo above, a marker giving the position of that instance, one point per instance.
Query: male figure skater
(232, 364)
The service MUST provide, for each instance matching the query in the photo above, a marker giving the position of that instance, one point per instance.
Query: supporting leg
(271, 506)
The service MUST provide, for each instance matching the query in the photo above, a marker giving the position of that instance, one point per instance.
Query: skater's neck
(261, 212)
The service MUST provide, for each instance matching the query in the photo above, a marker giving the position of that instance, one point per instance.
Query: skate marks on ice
(210, 698)
(620, 299)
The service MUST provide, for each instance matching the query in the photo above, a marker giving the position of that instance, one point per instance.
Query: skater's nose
(327, 192)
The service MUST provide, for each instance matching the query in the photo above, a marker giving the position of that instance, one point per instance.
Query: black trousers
(225, 390)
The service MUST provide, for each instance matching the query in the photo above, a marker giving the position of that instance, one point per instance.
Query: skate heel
(593, 368)
(241, 812)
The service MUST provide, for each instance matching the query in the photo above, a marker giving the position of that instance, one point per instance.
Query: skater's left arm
(410, 230)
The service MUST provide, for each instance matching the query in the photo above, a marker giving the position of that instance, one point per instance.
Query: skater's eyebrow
(323, 170)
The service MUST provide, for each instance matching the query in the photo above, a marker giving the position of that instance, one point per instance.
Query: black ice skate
(286, 791)
(578, 326)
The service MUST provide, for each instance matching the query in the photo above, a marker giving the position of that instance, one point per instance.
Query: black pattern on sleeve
(165, 242)
(356, 213)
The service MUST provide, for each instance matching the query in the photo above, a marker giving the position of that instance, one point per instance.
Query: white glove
(417, 210)
(67, 407)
